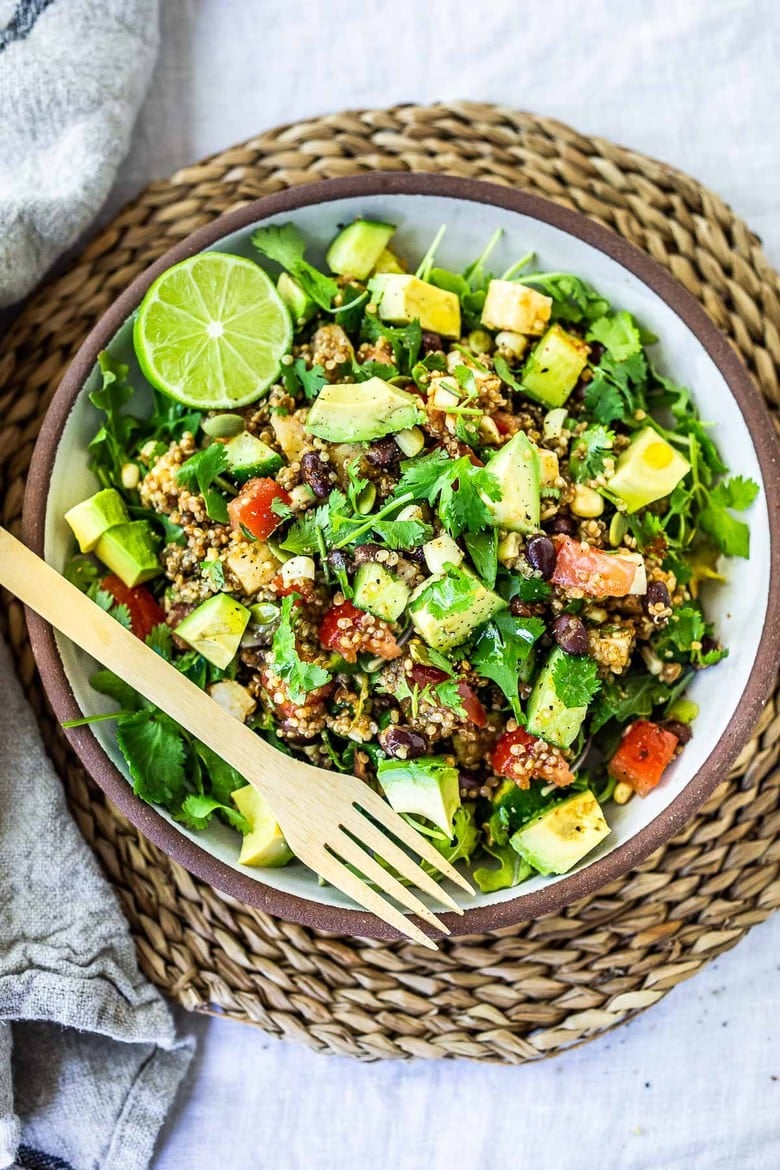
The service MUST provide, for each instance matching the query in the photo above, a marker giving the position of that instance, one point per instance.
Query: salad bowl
(745, 608)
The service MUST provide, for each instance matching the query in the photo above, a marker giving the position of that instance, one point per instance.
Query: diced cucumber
(517, 468)
(380, 592)
(356, 249)
(249, 456)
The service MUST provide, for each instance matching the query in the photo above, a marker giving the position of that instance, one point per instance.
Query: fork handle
(71, 612)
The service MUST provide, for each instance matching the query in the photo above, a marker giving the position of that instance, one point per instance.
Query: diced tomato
(597, 574)
(506, 423)
(521, 756)
(350, 631)
(144, 611)
(431, 676)
(643, 755)
(284, 707)
(304, 586)
(251, 509)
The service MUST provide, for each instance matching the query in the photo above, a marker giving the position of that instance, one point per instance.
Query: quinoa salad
(446, 531)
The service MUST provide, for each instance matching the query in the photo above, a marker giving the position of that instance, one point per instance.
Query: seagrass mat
(528, 991)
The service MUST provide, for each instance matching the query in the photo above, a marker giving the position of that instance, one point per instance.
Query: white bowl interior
(737, 608)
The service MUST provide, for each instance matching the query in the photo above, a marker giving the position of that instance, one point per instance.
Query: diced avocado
(428, 787)
(548, 717)
(302, 307)
(401, 298)
(248, 456)
(517, 468)
(446, 609)
(557, 839)
(130, 551)
(554, 366)
(263, 844)
(388, 262)
(356, 249)
(647, 470)
(362, 412)
(512, 306)
(215, 628)
(380, 592)
(92, 517)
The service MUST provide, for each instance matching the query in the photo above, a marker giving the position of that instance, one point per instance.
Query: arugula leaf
(198, 474)
(168, 532)
(105, 682)
(170, 420)
(110, 447)
(405, 339)
(618, 333)
(506, 375)
(574, 299)
(224, 778)
(632, 696)
(575, 680)
(297, 377)
(510, 871)
(285, 244)
(483, 550)
(528, 589)
(153, 747)
(300, 677)
(501, 646)
(82, 571)
(589, 452)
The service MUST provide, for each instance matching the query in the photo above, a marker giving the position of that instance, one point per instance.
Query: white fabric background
(695, 1083)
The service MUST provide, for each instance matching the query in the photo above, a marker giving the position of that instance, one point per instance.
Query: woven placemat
(528, 991)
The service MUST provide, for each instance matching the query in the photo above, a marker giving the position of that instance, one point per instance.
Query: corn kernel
(587, 504)
(623, 793)
(130, 476)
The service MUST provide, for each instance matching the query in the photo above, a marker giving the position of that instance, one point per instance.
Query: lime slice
(211, 332)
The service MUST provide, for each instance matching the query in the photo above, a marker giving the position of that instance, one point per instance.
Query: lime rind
(211, 332)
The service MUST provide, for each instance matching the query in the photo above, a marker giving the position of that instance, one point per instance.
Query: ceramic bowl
(746, 610)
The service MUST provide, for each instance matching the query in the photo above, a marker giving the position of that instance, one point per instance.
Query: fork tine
(349, 850)
(380, 810)
(335, 871)
(367, 832)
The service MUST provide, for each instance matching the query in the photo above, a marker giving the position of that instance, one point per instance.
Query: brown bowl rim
(523, 907)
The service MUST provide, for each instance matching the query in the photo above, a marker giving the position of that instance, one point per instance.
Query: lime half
(212, 331)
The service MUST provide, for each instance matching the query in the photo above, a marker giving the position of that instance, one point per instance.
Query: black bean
(402, 742)
(316, 473)
(366, 552)
(540, 553)
(431, 342)
(417, 555)
(681, 730)
(384, 453)
(597, 352)
(657, 595)
(564, 525)
(340, 561)
(570, 634)
(520, 608)
(470, 782)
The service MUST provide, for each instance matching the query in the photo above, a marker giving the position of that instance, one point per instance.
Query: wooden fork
(331, 821)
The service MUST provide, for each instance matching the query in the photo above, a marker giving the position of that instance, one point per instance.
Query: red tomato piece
(279, 696)
(251, 508)
(596, 573)
(350, 631)
(144, 611)
(643, 755)
(430, 676)
(521, 756)
(305, 587)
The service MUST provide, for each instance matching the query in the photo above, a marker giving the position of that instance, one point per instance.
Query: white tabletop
(695, 1083)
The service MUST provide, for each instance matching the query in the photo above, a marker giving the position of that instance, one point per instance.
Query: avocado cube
(515, 308)
(548, 717)
(557, 839)
(446, 609)
(388, 262)
(302, 307)
(264, 844)
(130, 551)
(648, 469)
(554, 367)
(402, 298)
(362, 412)
(92, 517)
(356, 249)
(427, 787)
(379, 591)
(215, 628)
(517, 467)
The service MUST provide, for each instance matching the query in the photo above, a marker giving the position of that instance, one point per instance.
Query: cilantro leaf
(197, 810)
(448, 694)
(574, 299)
(198, 474)
(405, 339)
(110, 447)
(160, 639)
(686, 626)
(298, 377)
(483, 550)
(153, 747)
(630, 697)
(732, 536)
(617, 388)
(618, 333)
(215, 573)
(305, 534)
(300, 676)
(589, 452)
(501, 646)
(737, 493)
(457, 484)
(105, 682)
(285, 244)
(402, 533)
(576, 680)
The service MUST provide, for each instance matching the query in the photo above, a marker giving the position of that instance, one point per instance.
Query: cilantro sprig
(199, 472)
(575, 680)
(501, 648)
(456, 487)
(300, 676)
(285, 244)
